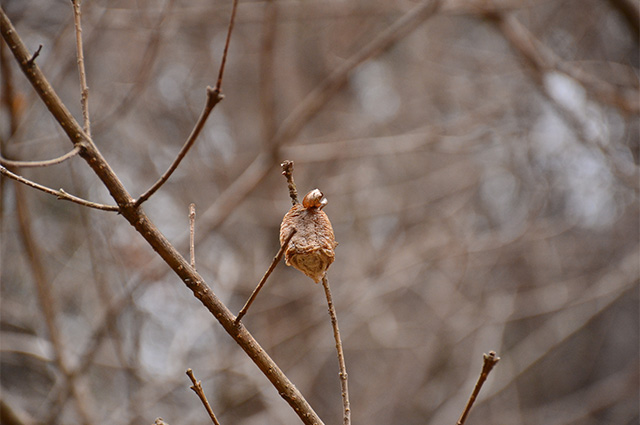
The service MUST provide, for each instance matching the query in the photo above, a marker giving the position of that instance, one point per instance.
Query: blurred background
(480, 159)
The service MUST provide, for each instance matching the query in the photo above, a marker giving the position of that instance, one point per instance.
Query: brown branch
(213, 98)
(33, 57)
(84, 101)
(266, 275)
(61, 113)
(44, 163)
(309, 107)
(344, 382)
(47, 303)
(287, 172)
(197, 388)
(232, 20)
(60, 194)
(490, 360)
(192, 225)
(143, 225)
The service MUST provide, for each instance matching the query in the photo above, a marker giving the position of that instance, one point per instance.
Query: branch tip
(31, 61)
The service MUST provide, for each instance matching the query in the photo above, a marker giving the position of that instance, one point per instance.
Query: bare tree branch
(139, 220)
(490, 360)
(81, 71)
(44, 163)
(266, 275)
(197, 388)
(61, 194)
(213, 98)
(344, 381)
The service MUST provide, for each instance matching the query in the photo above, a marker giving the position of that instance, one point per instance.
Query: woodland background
(482, 178)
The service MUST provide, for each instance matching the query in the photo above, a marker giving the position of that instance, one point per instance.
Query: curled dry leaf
(311, 249)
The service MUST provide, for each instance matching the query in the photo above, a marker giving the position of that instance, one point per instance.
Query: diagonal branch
(213, 98)
(309, 107)
(273, 265)
(61, 194)
(145, 227)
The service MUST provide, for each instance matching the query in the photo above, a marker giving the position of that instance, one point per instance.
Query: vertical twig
(273, 265)
(344, 383)
(192, 225)
(234, 7)
(81, 71)
(490, 361)
(287, 171)
(197, 388)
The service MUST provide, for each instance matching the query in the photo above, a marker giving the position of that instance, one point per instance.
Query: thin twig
(192, 225)
(287, 172)
(344, 382)
(228, 200)
(61, 194)
(146, 228)
(490, 361)
(44, 163)
(273, 265)
(197, 388)
(84, 100)
(213, 98)
(33, 57)
(232, 20)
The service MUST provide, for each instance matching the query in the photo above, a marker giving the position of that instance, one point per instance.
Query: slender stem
(45, 163)
(287, 172)
(197, 388)
(146, 228)
(192, 225)
(273, 265)
(232, 20)
(81, 71)
(344, 382)
(213, 98)
(490, 360)
(61, 194)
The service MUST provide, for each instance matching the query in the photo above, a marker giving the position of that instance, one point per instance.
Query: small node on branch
(287, 171)
(489, 361)
(197, 388)
(34, 56)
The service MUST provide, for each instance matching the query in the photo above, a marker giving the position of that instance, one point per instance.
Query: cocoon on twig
(311, 249)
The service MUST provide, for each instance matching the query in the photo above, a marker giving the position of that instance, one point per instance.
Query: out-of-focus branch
(541, 58)
(47, 303)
